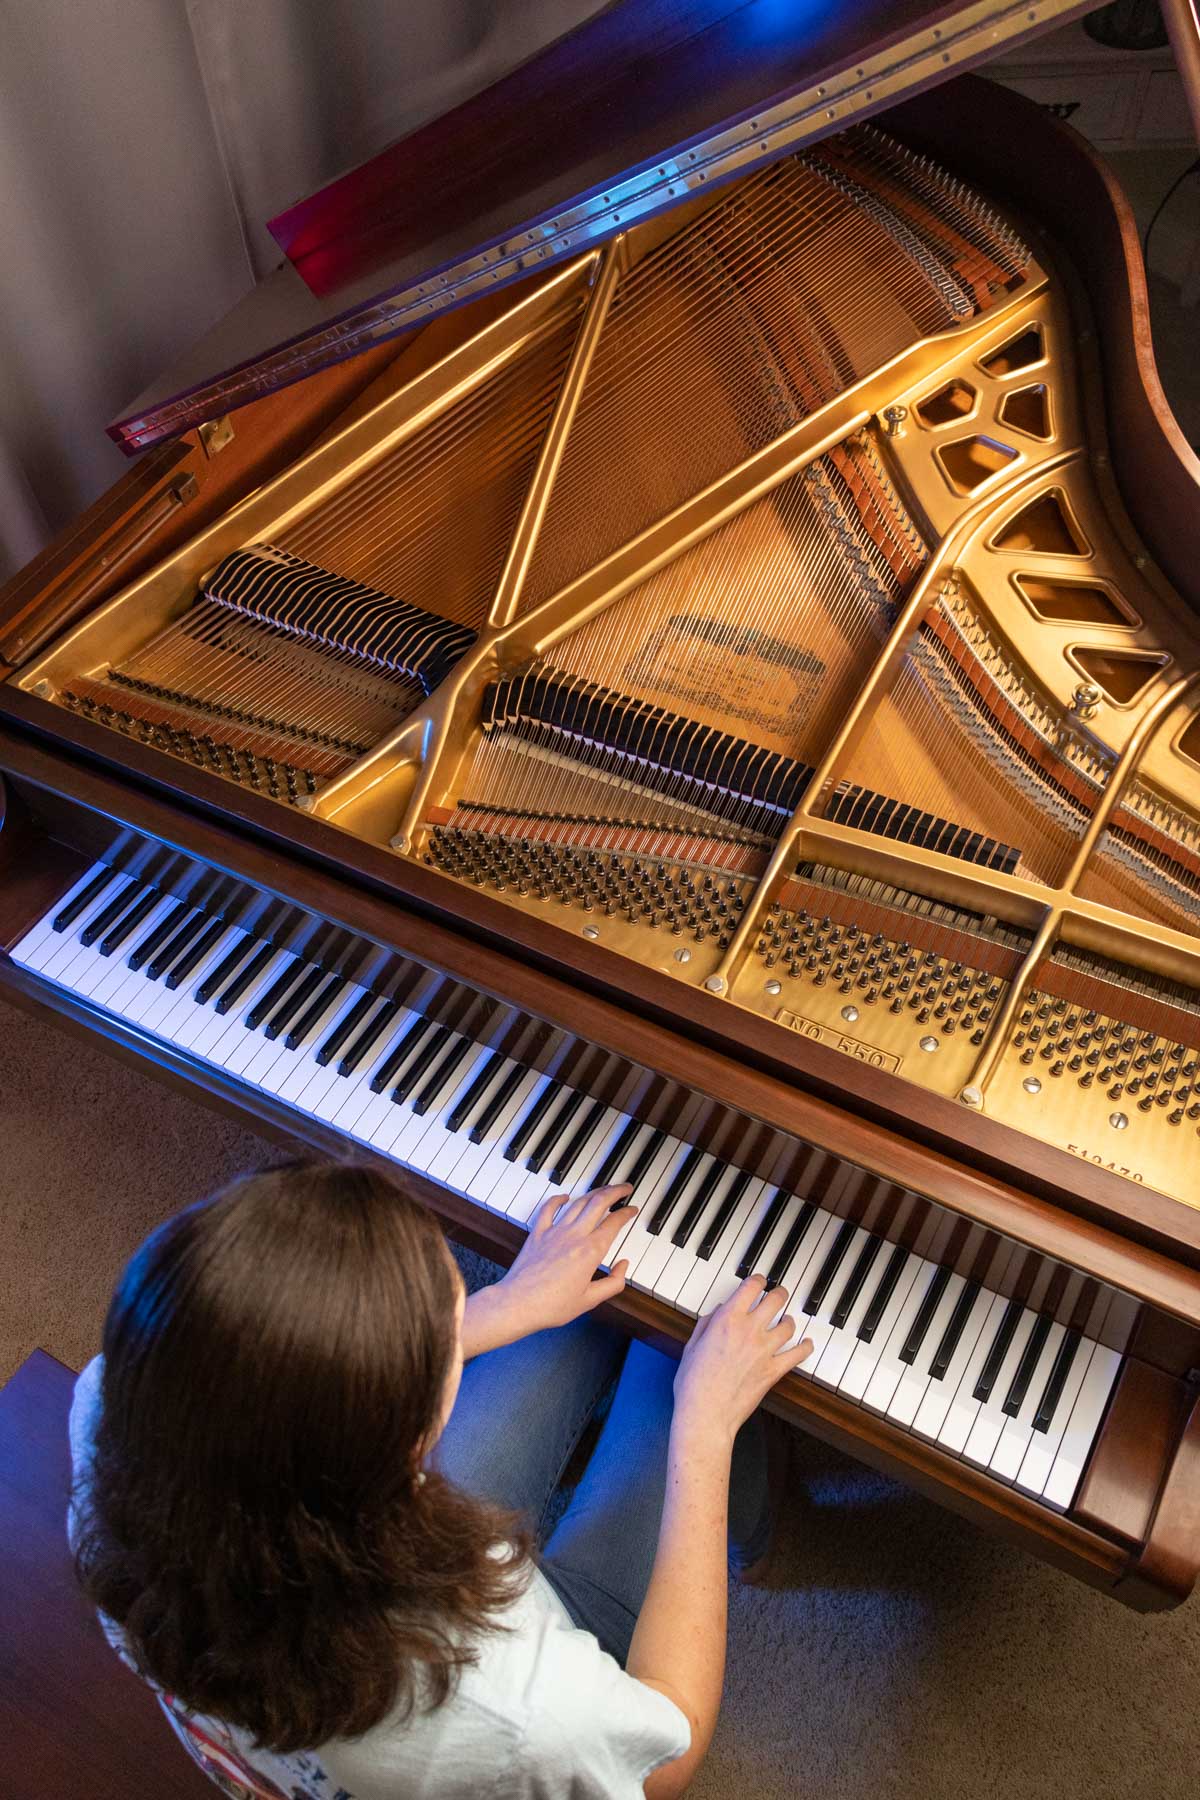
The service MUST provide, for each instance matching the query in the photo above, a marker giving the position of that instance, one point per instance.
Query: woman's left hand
(551, 1282)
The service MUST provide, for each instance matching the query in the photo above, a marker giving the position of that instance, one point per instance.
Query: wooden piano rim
(1082, 1550)
(1056, 1221)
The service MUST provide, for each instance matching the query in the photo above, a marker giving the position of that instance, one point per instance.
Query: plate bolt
(591, 931)
(1032, 1085)
(930, 1043)
(683, 954)
(850, 1014)
(774, 987)
(715, 984)
(1118, 1120)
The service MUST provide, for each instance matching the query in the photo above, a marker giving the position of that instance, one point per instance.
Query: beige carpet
(903, 1654)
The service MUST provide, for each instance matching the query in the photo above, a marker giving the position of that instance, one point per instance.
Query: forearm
(679, 1642)
(493, 1316)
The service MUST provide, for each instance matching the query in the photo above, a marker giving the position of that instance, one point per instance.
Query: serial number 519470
(1093, 1156)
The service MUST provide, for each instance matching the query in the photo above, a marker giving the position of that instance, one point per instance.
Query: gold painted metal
(449, 711)
(1123, 774)
(126, 621)
(516, 566)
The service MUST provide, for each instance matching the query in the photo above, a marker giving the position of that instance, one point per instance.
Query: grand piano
(663, 645)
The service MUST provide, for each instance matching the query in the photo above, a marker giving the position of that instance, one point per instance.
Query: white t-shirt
(544, 1714)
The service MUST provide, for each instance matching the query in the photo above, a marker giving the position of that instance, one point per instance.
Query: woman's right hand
(734, 1357)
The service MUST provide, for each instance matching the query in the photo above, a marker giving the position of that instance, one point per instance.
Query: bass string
(629, 395)
(920, 748)
(468, 479)
(839, 618)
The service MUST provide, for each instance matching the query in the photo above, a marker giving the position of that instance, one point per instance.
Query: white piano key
(991, 1418)
(426, 1144)
(710, 1283)
(458, 1147)
(885, 1377)
(587, 1160)
(1014, 1440)
(658, 1247)
(184, 1008)
(114, 989)
(30, 951)
(865, 1358)
(1080, 1435)
(1043, 1447)
(818, 1325)
(939, 1395)
(63, 947)
(964, 1408)
(477, 1167)
(306, 1073)
(683, 1258)
(668, 1160)
(224, 1030)
(834, 1359)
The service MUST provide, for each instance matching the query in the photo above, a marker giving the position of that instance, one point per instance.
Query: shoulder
(588, 1725)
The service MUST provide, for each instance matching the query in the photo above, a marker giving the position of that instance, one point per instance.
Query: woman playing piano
(311, 1528)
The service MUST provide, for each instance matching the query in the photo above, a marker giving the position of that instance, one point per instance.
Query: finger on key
(792, 1359)
(607, 1199)
(752, 1291)
(785, 1326)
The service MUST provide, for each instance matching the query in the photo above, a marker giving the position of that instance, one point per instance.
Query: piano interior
(751, 601)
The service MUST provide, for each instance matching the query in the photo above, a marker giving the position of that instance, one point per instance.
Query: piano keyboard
(986, 1378)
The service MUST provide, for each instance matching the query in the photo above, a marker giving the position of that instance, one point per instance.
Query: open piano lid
(643, 105)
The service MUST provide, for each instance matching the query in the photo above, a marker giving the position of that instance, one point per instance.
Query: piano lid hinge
(214, 434)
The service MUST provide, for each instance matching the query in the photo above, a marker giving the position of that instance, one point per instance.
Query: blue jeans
(520, 1413)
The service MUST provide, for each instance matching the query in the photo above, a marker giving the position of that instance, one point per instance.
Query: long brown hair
(274, 1362)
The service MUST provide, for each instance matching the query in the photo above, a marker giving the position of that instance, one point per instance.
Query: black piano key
(954, 1330)
(995, 1356)
(225, 970)
(375, 1027)
(531, 1120)
(552, 1134)
(169, 954)
(496, 1103)
(83, 899)
(129, 921)
(579, 1137)
(766, 1226)
(716, 1230)
(394, 1061)
(195, 953)
(924, 1318)
(345, 1028)
(679, 1181)
(882, 1294)
(698, 1203)
(830, 1266)
(161, 932)
(231, 996)
(607, 1171)
(428, 1051)
(292, 1003)
(108, 915)
(265, 1005)
(326, 994)
(796, 1233)
(437, 1083)
(848, 1298)
(1048, 1404)
(466, 1103)
(645, 1157)
(1019, 1386)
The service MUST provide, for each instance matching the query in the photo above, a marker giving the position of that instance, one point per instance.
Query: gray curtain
(143, 145)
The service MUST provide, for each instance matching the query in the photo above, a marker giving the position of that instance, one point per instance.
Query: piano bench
(73, 1721)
